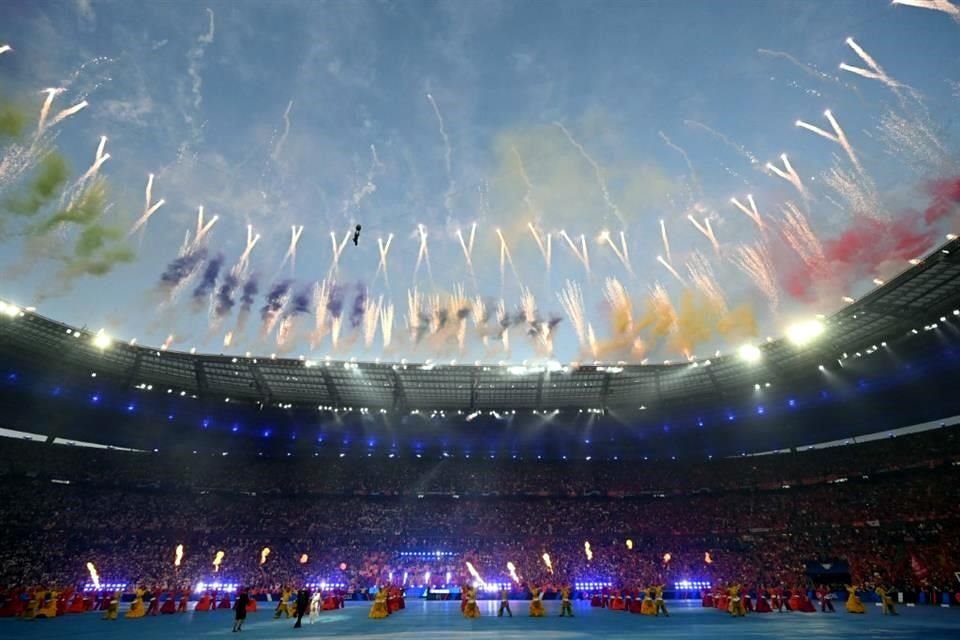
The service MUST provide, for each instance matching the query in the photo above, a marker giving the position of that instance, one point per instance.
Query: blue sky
(198, 94)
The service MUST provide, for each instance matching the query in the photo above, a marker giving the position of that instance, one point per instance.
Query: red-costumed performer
(205, 603)
(224, 602)
(77, 605)
(169, 605)
(706, 599)
(763, 605)
(184, 603)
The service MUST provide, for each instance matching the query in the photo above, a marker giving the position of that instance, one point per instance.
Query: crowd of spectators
(888, 508)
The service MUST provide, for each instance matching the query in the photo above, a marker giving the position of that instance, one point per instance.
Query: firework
(672, 271)
(667, 558)
(277, 299)
(371, 315)
(368, 187)
(94, 576)
(423, 254)
(587, 551)
(914, 139)
(447, 158)
(244, 261)
(528, 195)
(337, 251)
(876, 72)
(860, 195)
(512, 570)
(291, 254)
(799, 235)
(571, 299)
(263, 555)
(808, 69)
(335, 326)
(203, 228)
(386, 324)
(473, 572)
(547, 563)
(304, 558)
(629, 544)
(944, 6)
(693, 174)
(505, 257)
(701, 274)
(707, 558)
(754, 260)
(611, 205)
(788, 174)
(149, 207)
(178, 555)
(383, 248)
(218, 560)
(706, 231)
(580, 252)
(468, 247)
(4, 48)
(286, 132)
(621, 307)
(544, 244)
(838, 136)
(752, 212)
(621, 252)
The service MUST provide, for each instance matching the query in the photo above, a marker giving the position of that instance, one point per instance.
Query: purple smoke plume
(356, 314)
(209, 278)
(182, 266)
(275, 299)
(335, 301)
(250, 290)
(224, 299)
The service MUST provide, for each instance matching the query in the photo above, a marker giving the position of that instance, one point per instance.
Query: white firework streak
(468, 247)
(701, 273)
(944, 6)
(46, 106)
(666, 240)
(368, 187)
(286, 330)
(752, 212)
(4, 48)
(286, 132)
(447, 158)
(706, 231)
(903, 136)
(337, 251)
(66, 113)
(619, 300)
(621, 252)
(203, 228)
(546, 248)
(799, 235)
(371, 315)
(672, 271)
(571, 299)
(838, 136)
(244, 262)
(149, 208)
(859, 195)
(321, 296)
(228, 339)
(335, 327)
(581, 252)
(592, 340)
(458, 302)
(272, 316)
(505, 257)
(754, 260)
(739, 148)
(528, 195)
(194, 56)
(478, 309)
(806, 68)
(386, 324)
(435, 308)
(78, 188)
(414, 304)
(788, 174)
(693, 173)
(423, 254)
(291, 255)
(876, 72)
(611, 205)
(383, 249)
(528, 304)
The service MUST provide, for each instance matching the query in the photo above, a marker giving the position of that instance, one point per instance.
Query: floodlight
(803, 333)
(750, 353)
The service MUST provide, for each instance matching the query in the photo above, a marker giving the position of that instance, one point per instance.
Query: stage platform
(442, 621)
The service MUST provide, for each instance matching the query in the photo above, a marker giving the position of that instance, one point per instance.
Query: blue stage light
(760, 410)
(235, 428)
(791, 402)
(95, 398)
(130, 408)
(206, 423)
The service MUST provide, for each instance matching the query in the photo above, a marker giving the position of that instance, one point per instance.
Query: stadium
(742, 421)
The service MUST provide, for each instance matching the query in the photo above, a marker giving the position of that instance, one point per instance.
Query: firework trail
(808, 69)
(754, 260)
(414, 319)
(203, 228)
(512, 570)
(46, 106)
(383, 248)
(337, 252)
(876, 72)
(386, 324)
(286, 132)
(369, 187)
(944, 6)
(178, 555)
(371, 315)
(528, 195)
(94, 576)
(859, 195)
(788, 174)
(66, 113)
(666, 240)
(208, 281)
(252, 240)
(752, 212)
(703, 278)
(224, 298)
(447, 158)
(291, 255)
(299, 305)
(611, 205)
(739, 148)
(460, 307)
(423, 254)
(167, 343)
(149, 207)
(581, 252)
(321, 297)
(706, 231)
(4, 48)
(547, 563)
(505, 257)
(621, 308)
(838, 136)
(800, 236)
(73, 193)
(277, 299)
(621, 252)
(468, 249)
(913, 139)
(672, 271)
(571, 299)
(693, 173)
(546, 248)
(181, 269)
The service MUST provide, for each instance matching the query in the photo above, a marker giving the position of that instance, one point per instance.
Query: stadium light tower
(803, 333)
(750, 353)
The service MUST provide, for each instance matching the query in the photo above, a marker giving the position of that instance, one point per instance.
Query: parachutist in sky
(356, 236)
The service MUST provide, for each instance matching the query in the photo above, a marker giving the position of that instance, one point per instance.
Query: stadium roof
(911, 301)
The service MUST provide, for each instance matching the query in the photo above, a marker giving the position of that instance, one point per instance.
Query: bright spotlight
(750, 353)
(803, 333)
(102, 340)
(9, 310)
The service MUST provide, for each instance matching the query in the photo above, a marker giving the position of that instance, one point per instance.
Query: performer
(471, 610)
(648, 608)
(566, 608)
(283, 606)
(303, 602)
(379, 608)
(854, 605)
(240, 610)
(137, 610)
(736, 608)
(536, 605)
(886, 601)
(504, 604)
(113, 610)
(826, 599)
(33, 605)
(184, 601)
(763, 603)
(314, 607)
(658, 601)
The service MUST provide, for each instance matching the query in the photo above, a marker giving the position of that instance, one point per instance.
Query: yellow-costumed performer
(658, 601)
(137, 609)
(471, 610)
(853, 601)
(114, 609)
(736, 607)
(48, 605)
(647, 608)
(33, 604)
(886, 601)
(566, 608)
(536, 605)
(379, 608)
(284, 605)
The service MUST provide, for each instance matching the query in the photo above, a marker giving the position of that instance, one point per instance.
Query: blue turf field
(442, 620)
